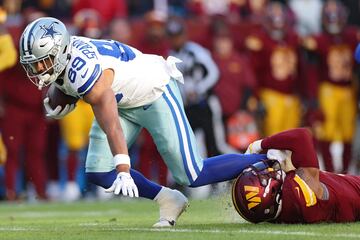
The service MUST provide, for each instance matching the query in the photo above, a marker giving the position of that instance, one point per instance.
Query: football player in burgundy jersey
(275, 58)
(304, 194)
(334, 81)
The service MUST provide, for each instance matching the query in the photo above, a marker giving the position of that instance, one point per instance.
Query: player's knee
(182, 181)
(96, 132)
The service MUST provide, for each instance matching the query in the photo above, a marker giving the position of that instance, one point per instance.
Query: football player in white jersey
(128, 90)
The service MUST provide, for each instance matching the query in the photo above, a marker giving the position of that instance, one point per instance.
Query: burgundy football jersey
(276, 63)
(336, 56)
(300, 205)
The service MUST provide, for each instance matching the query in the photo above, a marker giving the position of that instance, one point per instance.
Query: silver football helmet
(44, 50)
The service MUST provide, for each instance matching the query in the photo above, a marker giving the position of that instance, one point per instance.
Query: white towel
(172, 70)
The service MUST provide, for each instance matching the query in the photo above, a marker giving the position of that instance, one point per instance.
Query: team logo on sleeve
(84, 75)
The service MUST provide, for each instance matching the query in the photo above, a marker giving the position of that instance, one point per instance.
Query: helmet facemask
(267, 170)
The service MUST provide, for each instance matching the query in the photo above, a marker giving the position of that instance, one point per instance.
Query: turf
(132, 219)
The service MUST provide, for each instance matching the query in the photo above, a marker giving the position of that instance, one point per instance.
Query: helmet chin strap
(40, 86)
(45, 80)
(42, 80)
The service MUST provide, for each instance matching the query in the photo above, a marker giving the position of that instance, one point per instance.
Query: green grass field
(132, 219)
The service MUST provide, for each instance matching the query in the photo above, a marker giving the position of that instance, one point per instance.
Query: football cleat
(53, 190)
(71, 192)
(172, 204)
(164, 223)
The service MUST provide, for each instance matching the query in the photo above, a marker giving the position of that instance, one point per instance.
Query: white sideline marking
(187, 230)
(276, 232)
(34, 214)
(15, 229)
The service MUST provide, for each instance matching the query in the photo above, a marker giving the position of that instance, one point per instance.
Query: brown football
(57, 97)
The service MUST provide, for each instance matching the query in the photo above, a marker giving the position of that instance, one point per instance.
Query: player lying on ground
(128, 90)
(304, 194)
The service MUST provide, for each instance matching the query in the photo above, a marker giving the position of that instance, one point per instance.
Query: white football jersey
(139, 79)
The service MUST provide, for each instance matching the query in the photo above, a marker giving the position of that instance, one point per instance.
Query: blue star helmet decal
(49, 31)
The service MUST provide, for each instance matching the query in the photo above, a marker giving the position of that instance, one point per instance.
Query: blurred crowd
(251, 67)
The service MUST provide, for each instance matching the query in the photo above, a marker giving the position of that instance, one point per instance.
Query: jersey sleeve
(83, 73)
(299, 141)
(300, 204)
(88, 78)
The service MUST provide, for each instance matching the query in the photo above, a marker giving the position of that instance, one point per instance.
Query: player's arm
(102, 99)
(299, 142)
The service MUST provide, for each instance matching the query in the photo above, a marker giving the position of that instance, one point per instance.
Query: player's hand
(125, 183)
(274, 154)
(3, 151)
(58, 112)
(254, 147)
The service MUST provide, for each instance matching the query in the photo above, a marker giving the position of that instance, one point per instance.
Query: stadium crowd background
(45, 157)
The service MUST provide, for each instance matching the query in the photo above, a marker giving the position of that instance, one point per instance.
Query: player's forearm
(299, 141)
(107, 116)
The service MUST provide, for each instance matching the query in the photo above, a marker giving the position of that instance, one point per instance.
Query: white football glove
(125, 183)
(274, 154)
(58, 112)
(284, 158)
(254, 147)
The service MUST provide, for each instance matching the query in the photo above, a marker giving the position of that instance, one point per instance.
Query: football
(57, 97)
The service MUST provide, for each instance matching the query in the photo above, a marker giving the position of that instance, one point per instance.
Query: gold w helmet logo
(251, 196)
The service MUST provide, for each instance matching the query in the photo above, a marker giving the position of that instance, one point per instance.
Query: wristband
(121, 159)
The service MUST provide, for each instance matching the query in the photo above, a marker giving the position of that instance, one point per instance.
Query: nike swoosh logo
(146, 106)
(83, 76)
